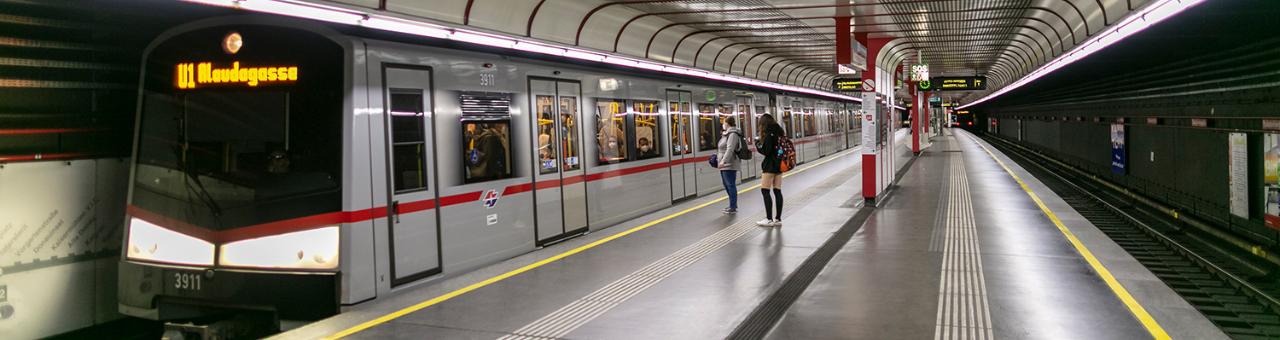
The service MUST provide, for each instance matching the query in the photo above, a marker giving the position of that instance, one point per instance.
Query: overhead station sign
(847, 85)
(953, 84)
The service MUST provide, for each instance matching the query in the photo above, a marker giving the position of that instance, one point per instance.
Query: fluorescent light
(534, 47)
(405, 27)
(620, 61)
(311, 11)
(219, 3)
(649, 66)
(482, 39)
(584, 55)
(1134, 23)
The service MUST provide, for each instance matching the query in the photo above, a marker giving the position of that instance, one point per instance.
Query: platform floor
(958, 250)
(961, 252)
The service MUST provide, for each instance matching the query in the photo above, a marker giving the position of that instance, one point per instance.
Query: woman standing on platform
(729, 162)
(771, 171)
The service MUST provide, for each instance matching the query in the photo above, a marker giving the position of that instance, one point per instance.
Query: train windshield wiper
(190, 176)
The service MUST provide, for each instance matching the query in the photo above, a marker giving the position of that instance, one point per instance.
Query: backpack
(786, 154)
(743, 152)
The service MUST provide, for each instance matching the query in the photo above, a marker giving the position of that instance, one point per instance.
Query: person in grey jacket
(730, 141)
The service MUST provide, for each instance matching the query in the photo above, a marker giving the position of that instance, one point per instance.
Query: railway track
(1233, 289)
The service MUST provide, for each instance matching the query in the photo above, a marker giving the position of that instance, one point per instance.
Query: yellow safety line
(442, 298)
(1145, 318)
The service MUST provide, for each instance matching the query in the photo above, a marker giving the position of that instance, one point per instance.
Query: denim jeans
(730, 180)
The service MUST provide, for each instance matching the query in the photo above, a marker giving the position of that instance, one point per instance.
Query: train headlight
(309, 249)
(150, 242)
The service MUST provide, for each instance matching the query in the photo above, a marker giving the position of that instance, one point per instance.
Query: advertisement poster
(1271, 178)
(1118, 157)
(1238, 173)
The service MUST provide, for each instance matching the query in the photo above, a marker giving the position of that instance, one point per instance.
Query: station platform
(958, 249)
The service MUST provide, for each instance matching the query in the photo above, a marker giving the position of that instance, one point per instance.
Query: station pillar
(915, 118)
(877, 118)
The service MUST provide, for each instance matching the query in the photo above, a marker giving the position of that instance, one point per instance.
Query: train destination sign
(847, 85)
(953, 84)
(191, 75)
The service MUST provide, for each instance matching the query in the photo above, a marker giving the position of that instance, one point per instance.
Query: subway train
(289, 167)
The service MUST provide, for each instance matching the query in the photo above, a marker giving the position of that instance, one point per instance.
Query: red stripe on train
(332, 218)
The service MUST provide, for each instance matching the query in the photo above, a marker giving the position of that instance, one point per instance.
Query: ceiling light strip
(1144, 18)
(346, 16)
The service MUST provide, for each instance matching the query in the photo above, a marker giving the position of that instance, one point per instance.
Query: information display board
(846, 85)
(953, 84)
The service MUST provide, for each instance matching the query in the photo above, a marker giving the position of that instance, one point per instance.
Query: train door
(411, 215)
(560, 195)
(744, 117)
(683, 178)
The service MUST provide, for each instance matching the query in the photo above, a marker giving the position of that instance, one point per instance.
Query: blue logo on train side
(490, 198)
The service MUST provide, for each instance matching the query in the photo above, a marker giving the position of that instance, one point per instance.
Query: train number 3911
(186, 281)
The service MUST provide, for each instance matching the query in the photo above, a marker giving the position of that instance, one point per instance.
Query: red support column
(874, 177)
(915, 119)
(844, 46)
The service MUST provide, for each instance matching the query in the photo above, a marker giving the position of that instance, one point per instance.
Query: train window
(644, 120)
(224, 157)
(679, 128)
(409, 155)
(569, 127)
(708, 127)
(743, 111)
(485, 150)
(611, 133)
(854, 118)
(810, 123)
(230, 153)
(547, 153)
(486, 136)
(786, 120)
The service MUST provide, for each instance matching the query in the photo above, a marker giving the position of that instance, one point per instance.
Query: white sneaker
(775, 223)
(765, 222)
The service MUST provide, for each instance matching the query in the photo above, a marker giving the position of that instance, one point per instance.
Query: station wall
(1167, 158)
(67, 108)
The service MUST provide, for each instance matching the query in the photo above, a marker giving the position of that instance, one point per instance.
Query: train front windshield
(223, 160)
(228, 140)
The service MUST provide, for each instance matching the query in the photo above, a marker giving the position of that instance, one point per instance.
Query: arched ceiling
(793, 41)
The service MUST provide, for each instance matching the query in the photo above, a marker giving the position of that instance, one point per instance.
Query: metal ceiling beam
(623, 29)
(649, 46)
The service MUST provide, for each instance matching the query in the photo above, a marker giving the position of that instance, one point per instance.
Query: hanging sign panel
(1118, 156)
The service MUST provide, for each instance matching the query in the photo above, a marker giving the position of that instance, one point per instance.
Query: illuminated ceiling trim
(347, 16)
(1144, 18)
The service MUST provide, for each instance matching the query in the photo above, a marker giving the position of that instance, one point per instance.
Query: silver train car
(294, 168)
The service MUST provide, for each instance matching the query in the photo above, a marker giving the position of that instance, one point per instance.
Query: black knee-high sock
(777, 199)
(768, 204)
